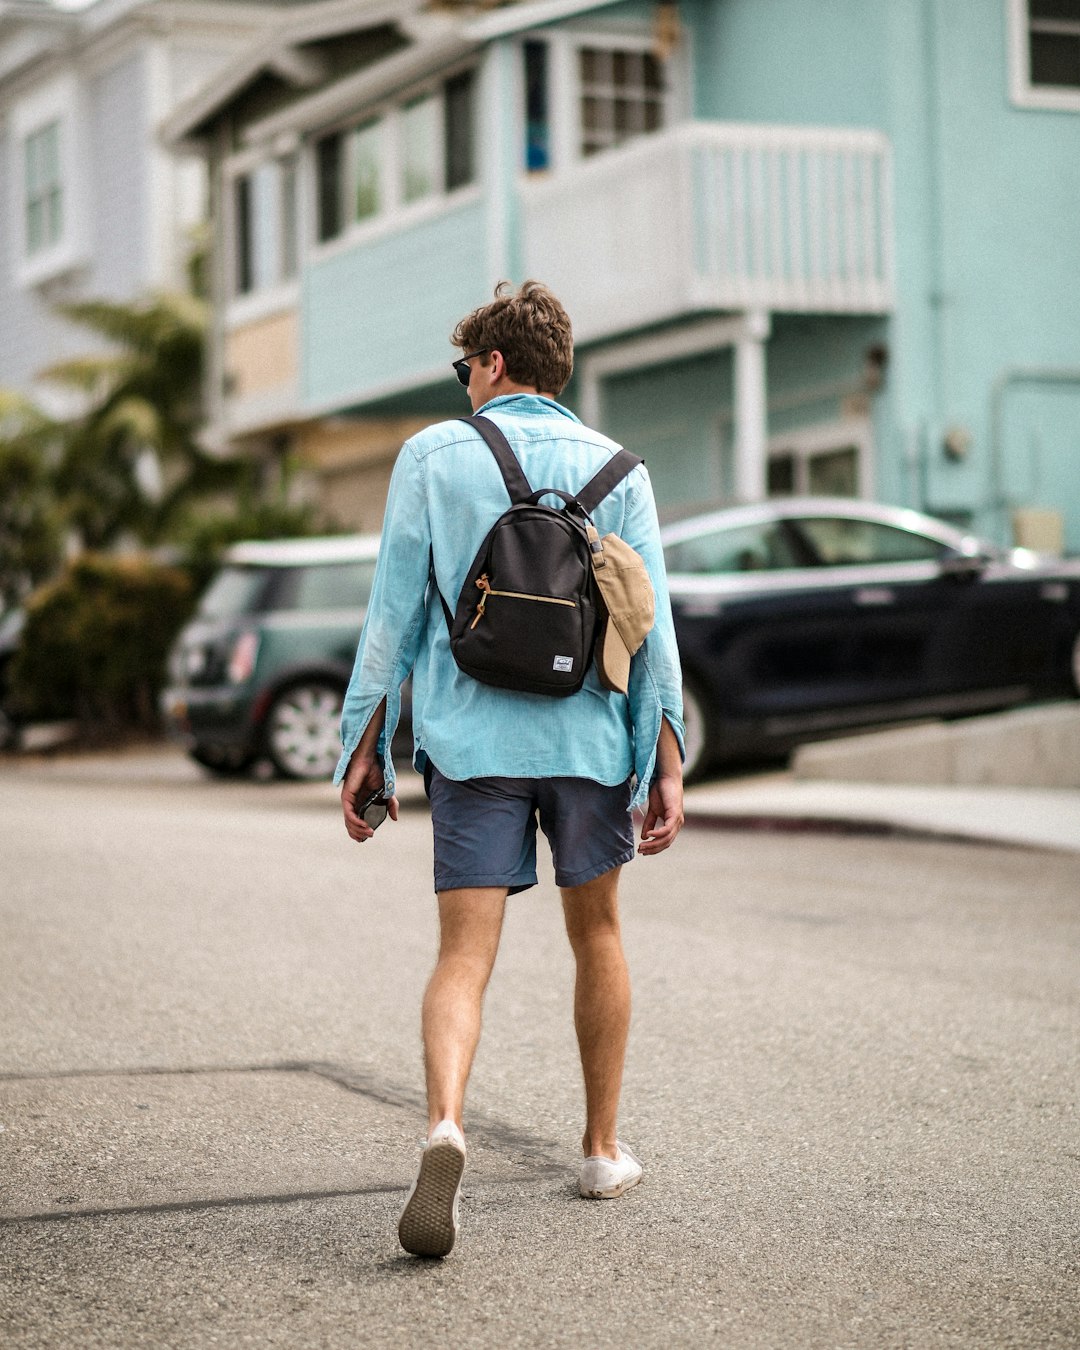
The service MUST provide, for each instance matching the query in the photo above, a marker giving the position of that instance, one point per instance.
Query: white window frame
(807, 442)
(1024, 94)
(57, 102)
(395, 213)
(564, 92)
(283, 294)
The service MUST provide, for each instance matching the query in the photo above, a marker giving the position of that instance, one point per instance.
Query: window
(328, 586)
(264, 213)
(621, 96)
(840, 542)
(44, 189)
(459, 131)
(1054, 43)
(419, 147)
(613, 93)
(748, 548)
(537, 119)
(1044, 53)
(330, 176)
(823, 473)
(411, 153)
(367, 170)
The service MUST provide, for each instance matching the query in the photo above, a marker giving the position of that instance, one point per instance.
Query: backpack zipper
(485, 586)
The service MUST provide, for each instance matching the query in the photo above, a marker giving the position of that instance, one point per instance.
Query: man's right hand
(363, 777)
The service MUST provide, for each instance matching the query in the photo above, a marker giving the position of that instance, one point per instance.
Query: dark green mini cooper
(260, 672)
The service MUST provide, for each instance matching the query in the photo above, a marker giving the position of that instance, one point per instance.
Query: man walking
(494, 759)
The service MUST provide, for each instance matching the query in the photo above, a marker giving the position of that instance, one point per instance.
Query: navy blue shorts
(485, 829)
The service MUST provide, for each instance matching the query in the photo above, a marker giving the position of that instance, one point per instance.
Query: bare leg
(601, 1003)
(470, 923)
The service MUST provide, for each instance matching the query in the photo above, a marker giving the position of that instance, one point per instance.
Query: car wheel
(697, 737)
(302, 730)
(224, 763)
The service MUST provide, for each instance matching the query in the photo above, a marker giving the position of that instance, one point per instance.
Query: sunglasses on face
(462, 368)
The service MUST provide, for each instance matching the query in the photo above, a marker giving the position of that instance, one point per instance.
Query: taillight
(242, 658)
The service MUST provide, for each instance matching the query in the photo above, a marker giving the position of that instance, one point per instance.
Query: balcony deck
(714, 216)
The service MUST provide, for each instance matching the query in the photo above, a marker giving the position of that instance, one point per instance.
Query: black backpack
(527, 614)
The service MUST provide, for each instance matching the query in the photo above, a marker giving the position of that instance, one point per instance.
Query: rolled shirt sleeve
(393, 626)
(655, 687)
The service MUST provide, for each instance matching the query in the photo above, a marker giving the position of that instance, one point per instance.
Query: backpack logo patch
(563, 663)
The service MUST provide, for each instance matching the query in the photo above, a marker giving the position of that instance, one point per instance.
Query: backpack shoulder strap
(613, 472)
(513, 474)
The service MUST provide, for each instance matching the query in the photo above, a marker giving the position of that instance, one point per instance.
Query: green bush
(96, 641)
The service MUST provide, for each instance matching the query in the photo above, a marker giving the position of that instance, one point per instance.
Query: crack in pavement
(547, 1158)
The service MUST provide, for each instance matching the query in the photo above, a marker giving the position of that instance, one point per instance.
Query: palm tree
(31, 535)
(131, 463)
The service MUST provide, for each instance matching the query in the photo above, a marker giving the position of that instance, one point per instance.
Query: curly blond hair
(530, 328)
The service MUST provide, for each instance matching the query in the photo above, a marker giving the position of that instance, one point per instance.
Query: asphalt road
(852, 1079)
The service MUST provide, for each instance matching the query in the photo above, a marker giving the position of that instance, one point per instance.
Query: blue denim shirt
(445, 494)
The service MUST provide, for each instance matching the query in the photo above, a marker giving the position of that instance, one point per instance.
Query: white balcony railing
(716, 216)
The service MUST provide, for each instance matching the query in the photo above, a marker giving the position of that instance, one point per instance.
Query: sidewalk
(1026, 817)
(1047, 818)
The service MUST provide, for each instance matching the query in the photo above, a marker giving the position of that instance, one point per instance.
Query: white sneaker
(429, 1221)
(604, 1179)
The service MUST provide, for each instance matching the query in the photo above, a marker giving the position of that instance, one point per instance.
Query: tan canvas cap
(627, 593)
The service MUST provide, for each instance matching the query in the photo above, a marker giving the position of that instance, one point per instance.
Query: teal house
(807, 248)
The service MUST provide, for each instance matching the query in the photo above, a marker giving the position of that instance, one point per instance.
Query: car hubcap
(303, 731)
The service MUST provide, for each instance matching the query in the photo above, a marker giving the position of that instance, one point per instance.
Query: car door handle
(875, 595)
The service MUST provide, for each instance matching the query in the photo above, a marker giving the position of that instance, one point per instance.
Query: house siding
(118, 206)
(375, 310)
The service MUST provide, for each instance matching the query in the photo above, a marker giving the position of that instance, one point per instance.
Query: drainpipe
(751, 426)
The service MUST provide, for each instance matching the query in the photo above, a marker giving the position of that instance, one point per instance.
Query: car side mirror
(958, 565)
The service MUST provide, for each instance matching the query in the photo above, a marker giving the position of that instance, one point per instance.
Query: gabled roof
(279, 53)
(437, 34)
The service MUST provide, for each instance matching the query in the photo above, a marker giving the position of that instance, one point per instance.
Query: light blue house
(826, 247)
(91, 205)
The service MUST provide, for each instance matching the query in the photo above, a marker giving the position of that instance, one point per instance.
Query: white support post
(751, 429)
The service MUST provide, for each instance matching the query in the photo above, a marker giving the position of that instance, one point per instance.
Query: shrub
(96, 641)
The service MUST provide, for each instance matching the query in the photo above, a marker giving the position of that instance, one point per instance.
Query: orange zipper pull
(485, 586)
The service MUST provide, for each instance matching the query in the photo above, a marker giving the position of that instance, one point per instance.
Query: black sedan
(803, 617)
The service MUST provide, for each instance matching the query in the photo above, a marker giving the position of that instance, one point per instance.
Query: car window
(326, 586)
(840, 542)
(745, 548)
(235, 590)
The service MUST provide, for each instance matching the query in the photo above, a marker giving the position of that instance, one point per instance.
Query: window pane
(344, 586)
(834, 474)
(751, 548)
(266, 226)
(367, 154)
(43, 188)
(244, 279)
(780, 475)
(852, 543)
(289, 243)
(459, 130)
(537, 122)
(328, 173)
(418, 145)
(1056, 9)
(1055, 59)
(620, 96)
